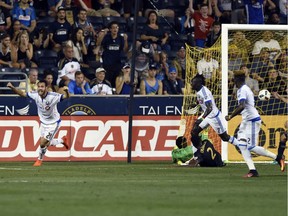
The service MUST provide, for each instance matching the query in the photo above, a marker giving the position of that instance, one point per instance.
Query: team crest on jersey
(79, 109)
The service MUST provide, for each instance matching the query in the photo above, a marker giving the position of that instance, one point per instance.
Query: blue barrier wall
(118, 105)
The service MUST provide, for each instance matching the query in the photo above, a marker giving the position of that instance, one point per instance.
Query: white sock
(247, 156)
(263, 152)
(55, 142)
(233, 141)
(42, 152)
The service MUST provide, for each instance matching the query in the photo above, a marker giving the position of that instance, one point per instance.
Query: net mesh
(262, 63)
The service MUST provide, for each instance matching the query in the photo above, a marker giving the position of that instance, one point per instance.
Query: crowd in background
(86, 46)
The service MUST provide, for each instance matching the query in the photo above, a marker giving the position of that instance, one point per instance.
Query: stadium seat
(45, 22)
(46, 58)
(177, 40)
(168, 23)
(141, 22)
(97, 22)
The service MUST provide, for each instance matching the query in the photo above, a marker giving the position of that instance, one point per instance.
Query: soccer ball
(264, 95)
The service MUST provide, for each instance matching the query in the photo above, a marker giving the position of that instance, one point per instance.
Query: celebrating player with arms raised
(49, 116)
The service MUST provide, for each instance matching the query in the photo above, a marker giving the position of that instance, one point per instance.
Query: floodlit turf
(140, 188)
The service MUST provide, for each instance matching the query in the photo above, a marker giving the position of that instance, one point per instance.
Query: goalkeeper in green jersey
(205, 156)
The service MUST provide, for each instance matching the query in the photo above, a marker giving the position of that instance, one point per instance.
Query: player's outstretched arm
(16, 91)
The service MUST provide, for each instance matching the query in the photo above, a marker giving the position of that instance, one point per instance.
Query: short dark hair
(112, 23)
(78, 73)
(43, 81)
(200, 78)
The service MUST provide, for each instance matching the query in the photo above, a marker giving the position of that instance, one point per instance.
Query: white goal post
(224, 62)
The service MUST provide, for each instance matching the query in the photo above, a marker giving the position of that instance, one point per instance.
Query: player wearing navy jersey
(49, 116)
(250, 126)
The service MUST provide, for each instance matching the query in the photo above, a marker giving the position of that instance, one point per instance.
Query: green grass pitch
(139, 189)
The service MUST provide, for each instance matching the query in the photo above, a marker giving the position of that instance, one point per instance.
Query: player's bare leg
(43, 148)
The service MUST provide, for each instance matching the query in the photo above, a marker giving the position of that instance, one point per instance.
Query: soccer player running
(49, 116)
(211, 116)
(250, 126)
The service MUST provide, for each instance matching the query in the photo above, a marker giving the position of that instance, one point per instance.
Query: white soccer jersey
(47, 107)
(206, 68)
(249, 112)
(204, 95)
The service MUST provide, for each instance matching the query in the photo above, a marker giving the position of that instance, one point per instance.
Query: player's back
(249, 112)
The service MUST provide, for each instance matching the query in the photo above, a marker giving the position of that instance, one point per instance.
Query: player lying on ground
(49, 116)
(205, 155)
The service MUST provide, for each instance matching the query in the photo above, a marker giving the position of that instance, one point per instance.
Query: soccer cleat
(37, 163)
(65, 142)
(252, 173)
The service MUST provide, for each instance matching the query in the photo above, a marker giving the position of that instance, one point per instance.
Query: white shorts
(249, 130)
(49, 131)
(216, 123)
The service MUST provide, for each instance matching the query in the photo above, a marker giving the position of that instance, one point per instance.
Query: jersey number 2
(213, 155)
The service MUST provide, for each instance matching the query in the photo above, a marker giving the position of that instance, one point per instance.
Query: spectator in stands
(102, 8)
(5, 17)
(260, 66)
(235, 59)
(268, 42)
(40, 39)
(161, 7)
(26, 15)
(180, 62)
(213, 35)
(243, 44)
(99, 85)
(238, 13)
(15, 31)
(70, 9)
(203, 23)
(48, 76)
(7, 4)
(144, 55)
(151, 85)
(79, 86)
(79, 46)
(81, 22)
(67, 66)
(128, 7)
(52, 9)
(274, 83)
(282, 58)
(187, 27)
(250, 82)
(283, 98)
(164, 66)
(5, 51)
(208, 67)
(155, 34)
(59, 30)
(269, 8)
(254, 11)
(123, 81)
(40, 8)
(220, 10)
(31, 81)
(22, 52)
(273, 19)
(173, 85)
(113, 45)
(283, 5)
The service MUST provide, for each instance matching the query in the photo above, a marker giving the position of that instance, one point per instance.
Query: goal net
(262, 51)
